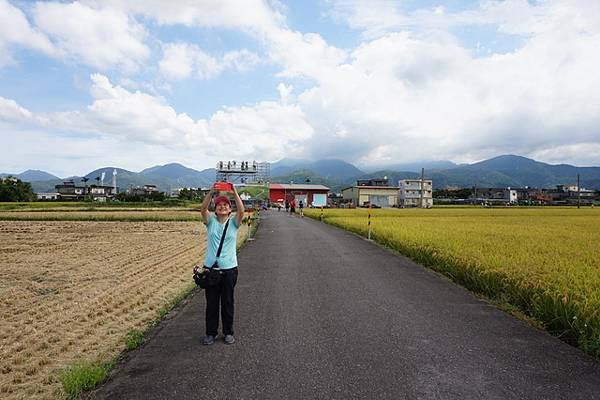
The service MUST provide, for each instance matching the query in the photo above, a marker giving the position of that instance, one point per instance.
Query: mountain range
(501, 171)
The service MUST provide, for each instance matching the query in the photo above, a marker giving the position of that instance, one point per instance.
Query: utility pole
(578, 192)
(422, 186)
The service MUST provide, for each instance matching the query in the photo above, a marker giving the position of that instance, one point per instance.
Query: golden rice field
(70, 291)
(544, 261)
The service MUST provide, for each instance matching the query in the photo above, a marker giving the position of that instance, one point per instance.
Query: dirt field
(71, 290)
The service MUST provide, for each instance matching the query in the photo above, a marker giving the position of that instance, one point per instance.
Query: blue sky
(134, 84)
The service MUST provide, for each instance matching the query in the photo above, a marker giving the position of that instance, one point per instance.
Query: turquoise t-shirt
(214, 229)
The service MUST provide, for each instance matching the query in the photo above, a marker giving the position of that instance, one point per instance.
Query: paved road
(324, 314)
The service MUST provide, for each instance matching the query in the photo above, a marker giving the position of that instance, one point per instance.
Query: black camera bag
(210, 277)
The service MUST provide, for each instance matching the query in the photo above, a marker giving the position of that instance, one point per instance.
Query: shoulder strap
(222, 238)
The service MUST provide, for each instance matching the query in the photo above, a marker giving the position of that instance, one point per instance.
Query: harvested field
(71, 290)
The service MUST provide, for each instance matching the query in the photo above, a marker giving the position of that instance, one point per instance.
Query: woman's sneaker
(208, 340)
(229, 339)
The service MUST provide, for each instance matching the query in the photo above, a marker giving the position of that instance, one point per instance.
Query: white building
(511, 196)
(411, 193)
(47, 196)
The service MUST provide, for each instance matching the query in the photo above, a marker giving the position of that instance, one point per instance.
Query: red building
(310, 195)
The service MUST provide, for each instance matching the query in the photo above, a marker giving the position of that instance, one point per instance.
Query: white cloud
(182, 60)
(269, 129)
(285, 92)
(421, 95)
(585, 154)
(521, 17)
(405, 98)
(247, 15)
(374, 17)
(62, 154)
(410, 91)
(303, 55)
(100, 37)
(10, 111)
(16, 31)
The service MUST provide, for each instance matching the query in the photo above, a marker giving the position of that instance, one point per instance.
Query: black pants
(222, 293)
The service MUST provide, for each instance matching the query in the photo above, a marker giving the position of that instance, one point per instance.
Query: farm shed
(365, 195)
(311, 195)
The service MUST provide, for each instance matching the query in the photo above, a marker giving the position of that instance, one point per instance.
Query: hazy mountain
(287, 162)
(173, 171)
(181, 176)
(36, 175)
(517, 171)
(32, 175)
(305, 176)
(329, 169)
(108, 173)
(502, 171)
(416, 167)
(393, 176)
(165, 177)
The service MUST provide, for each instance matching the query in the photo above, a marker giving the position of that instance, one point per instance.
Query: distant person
(293, 206)
(301, 207)
(287, 206)
(226, 262)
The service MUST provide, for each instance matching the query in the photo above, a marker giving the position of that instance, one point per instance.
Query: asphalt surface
(324, 314)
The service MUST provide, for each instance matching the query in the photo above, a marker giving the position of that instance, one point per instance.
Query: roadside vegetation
(543, 261)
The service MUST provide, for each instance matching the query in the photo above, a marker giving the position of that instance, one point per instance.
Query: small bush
(83, 376)
(134, 339)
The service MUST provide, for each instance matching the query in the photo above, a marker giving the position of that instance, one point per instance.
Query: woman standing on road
(227, 262)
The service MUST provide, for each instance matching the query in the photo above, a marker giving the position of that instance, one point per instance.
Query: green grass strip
(134, 339)
(84, 376)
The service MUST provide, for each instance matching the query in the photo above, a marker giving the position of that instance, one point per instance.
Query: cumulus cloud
(405, 98)
(268, 128)
(10, 111)
(100, 37)
(271, 129)
(16, 31)
(410, 91)
(182, 61)
(249, 15)
(373, 18)
(303, 55)
(418, 94)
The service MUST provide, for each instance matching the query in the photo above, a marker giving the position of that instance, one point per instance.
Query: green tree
(157, 196)
(190, 194)
(13, 189)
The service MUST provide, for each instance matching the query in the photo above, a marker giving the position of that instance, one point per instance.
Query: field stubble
(71, 290)
(544, 261)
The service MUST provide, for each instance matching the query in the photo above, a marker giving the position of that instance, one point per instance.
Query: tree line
(13, 189)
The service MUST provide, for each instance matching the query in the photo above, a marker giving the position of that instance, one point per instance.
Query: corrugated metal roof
(294, 186)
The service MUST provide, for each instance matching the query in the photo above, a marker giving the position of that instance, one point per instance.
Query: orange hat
(222, 199)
